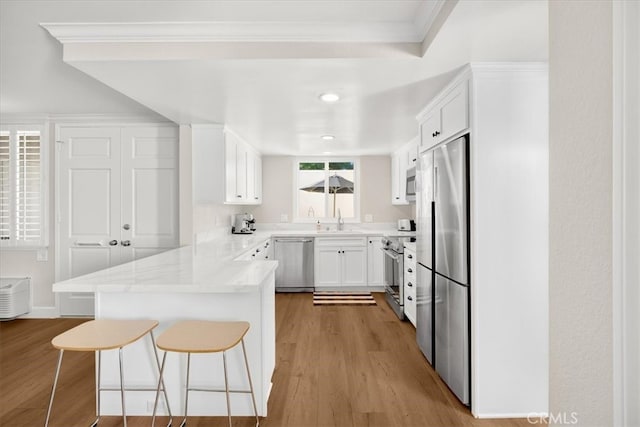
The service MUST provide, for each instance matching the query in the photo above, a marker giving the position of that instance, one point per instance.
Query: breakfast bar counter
(196, 282)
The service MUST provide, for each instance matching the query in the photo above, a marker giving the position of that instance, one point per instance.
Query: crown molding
(163, 32)
(426, 16)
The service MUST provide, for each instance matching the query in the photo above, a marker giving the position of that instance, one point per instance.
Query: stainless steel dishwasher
(295, 264)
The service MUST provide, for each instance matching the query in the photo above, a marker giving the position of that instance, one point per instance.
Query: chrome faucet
(340, 224)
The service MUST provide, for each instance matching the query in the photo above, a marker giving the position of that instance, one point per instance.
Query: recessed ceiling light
(329, 97)
(328, 137)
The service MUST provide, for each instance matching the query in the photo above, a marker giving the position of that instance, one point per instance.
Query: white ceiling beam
(164, 32)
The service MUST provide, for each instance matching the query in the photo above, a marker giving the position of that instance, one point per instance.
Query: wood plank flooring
(338, 366)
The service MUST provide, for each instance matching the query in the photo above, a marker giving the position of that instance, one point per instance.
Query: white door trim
(626, 220)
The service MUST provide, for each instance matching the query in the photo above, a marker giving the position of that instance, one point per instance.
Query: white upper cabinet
(225, 168)
(402, 159)
(445, 116)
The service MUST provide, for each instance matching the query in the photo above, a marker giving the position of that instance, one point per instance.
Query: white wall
(21, 263)
(580, 263)
(626, 193)
(375, 190)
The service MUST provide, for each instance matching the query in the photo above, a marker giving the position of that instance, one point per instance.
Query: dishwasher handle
(294, 240)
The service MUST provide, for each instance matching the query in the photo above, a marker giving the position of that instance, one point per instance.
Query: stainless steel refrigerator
(442, 317)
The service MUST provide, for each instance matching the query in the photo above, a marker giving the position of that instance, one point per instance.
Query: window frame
(13, 129)
(356, 189)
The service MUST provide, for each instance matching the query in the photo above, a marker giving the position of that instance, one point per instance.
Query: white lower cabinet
(340, 262)
(375, 261)
(410, 277)
(259, 252)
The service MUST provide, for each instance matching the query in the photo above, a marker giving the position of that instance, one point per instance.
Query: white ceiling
(258, 66)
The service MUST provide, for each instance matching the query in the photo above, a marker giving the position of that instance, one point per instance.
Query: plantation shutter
(28, 191)
(5, 203)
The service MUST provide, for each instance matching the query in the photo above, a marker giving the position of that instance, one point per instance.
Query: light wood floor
(339, 366)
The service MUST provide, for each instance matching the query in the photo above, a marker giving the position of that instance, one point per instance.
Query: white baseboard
(530, 415)
(41, 313)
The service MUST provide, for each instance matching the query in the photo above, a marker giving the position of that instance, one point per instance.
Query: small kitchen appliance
(243, 223)
(406, 225)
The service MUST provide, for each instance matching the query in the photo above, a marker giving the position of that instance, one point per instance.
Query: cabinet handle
(397, 198)
(409, 256)
(113, 243)
(409, 298)
(126, 243)
(409, 270)
(238, 195)
(433, 135)
(256, 198)
(409, 284)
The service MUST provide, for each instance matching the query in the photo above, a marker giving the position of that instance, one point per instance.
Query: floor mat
(343, 298)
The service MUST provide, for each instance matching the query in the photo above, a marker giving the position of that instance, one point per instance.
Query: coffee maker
(243, 223)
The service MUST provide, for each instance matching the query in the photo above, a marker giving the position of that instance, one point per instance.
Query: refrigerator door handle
(435, 182)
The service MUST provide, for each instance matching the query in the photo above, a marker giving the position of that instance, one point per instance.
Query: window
(325, 189)
(22, 187)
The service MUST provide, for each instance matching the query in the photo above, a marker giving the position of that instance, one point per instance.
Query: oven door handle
(389, 254)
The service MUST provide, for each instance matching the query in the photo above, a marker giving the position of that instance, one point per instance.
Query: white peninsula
(196, 282)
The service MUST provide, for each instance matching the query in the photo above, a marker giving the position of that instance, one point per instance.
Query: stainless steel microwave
(411, 184)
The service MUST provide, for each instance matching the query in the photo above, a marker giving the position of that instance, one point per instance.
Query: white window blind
(21, 188)
(4, 185)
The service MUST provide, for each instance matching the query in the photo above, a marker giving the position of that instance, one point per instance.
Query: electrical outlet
(368, 218)
(284, 218)
(42, 255)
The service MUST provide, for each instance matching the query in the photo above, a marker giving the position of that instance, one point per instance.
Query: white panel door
(89, 208)
(149, 191)
(118, 200)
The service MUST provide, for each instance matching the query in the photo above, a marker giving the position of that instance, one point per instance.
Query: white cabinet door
(254, 178)
(454, 112)
(117, 190)
(230, 168)
(251, 177)
(398, 180)
(429, 130)
(257, 186)
(241, 172)
(328, 271)
(354, 266)
(375, 261)
(448, 117)
(411, 154)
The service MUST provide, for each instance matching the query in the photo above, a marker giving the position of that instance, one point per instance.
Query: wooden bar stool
(106, 334)
(202, 336)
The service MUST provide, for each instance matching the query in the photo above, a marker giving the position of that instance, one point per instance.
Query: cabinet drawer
(341, 242)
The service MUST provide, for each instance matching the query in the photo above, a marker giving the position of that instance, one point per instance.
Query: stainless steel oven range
(393, 248)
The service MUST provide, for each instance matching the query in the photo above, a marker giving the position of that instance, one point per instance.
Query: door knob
(126, 243)
(113, 242)
(126, 227)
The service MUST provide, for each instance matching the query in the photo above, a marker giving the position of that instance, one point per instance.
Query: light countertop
(207, 267)
(204, 268)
